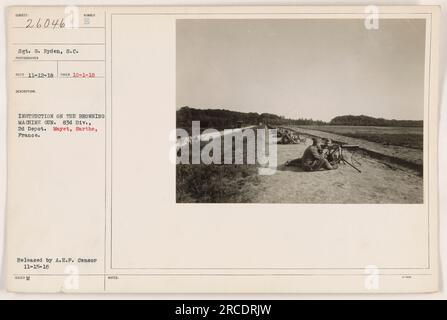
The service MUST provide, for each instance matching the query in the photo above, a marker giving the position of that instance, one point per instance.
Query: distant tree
(225, 119)
(362, 120)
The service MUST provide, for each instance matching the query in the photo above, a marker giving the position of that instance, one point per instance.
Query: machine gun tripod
(336, 155)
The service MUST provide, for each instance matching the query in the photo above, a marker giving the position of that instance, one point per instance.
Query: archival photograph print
(300, 111)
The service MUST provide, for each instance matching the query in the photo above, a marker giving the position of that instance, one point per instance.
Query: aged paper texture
(222, 149)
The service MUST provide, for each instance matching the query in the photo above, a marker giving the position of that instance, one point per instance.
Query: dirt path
(377, 183)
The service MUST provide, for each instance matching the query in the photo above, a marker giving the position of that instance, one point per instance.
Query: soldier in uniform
(313, 158)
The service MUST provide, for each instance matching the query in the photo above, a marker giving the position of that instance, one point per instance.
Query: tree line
(225, 119)
(371, 121)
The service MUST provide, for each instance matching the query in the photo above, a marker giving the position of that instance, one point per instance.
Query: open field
(409, 137)
(389, 174)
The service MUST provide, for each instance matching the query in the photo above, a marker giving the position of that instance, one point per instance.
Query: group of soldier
(286, 136)
(321, 155)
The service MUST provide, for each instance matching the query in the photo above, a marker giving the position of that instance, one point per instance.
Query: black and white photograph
(334, 107)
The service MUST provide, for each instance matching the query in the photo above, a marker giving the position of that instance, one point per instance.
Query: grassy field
(410, 137)
(216, 183)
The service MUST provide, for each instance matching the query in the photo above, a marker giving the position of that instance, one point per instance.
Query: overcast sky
(302, 68)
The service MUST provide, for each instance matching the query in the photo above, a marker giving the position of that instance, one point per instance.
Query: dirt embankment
(377, 183)
(408, 157)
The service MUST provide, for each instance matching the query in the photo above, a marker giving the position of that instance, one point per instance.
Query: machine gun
(335, 154)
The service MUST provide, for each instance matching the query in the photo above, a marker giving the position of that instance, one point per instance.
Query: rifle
(339, 147)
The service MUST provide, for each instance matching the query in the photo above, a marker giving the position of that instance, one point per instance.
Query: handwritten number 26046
(42, 23)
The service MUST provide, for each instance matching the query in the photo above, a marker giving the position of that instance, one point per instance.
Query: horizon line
(355, 115)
